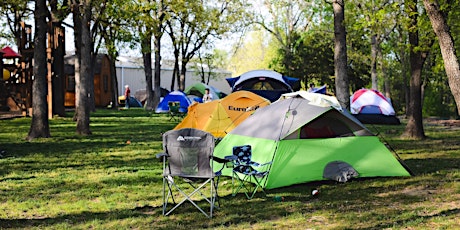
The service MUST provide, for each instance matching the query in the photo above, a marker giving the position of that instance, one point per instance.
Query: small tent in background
(195, 92)
(265, 83)
(133, 102)
(372, 107)
(302, 137)
(174, 96)
(219, 117)
(8, 52)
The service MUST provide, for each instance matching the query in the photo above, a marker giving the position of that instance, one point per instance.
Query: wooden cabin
(103, 90)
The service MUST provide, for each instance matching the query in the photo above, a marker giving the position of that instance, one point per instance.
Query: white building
(130, 71)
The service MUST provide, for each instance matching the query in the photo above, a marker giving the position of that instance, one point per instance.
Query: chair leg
(239, 184)
(257, 186)
(188, 197)
(167, 181)
(242, 183)
(172, 117)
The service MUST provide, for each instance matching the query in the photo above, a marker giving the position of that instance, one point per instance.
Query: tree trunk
(58, 52)
(183, 70)
(414, 128)
(175, 75)
(83, 105)
(404, 71)
(77, 40)
(386, 78)
(147, 58)
(446, 43)
(113, 76)
(56, 42)
(340, 55)
(157, 46)
(374, 51)
(40, 124)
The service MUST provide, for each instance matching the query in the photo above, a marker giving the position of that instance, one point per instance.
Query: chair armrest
(231, 158)
(221, 160)
(268, 163)
(160, 155)
(256, 164)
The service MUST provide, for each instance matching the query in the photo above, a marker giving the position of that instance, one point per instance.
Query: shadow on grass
(432, 165)
(334, 198)
(445, 213)
(74, 219)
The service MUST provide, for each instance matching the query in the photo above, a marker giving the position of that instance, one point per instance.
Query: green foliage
(311, 59)
(115, 26)
(208, 66)
(253, 53)
(438, 99)
(103, 182)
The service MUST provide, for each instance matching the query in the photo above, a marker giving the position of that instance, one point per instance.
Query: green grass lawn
(112, 180)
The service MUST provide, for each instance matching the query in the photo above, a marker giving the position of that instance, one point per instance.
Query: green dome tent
(302, 136)
(198, 91)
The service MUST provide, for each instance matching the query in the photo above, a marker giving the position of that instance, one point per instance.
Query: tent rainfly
(219, 117)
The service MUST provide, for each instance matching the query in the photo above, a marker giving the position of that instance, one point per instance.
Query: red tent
(9, 53)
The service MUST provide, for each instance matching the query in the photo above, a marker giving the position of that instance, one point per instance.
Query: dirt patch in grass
(411, 191)
(443, 122)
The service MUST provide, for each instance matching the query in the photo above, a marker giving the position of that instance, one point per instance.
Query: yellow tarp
(219, 117)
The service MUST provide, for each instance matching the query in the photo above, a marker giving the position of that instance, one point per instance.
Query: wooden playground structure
(16, 84)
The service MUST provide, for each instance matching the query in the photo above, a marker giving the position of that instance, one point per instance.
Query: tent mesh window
(262, 84)
(327, 126)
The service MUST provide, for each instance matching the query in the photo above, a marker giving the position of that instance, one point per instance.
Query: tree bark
(340, 55)
(58, 52)
(175, 74)
(446, 43)
(77, 40)
(147, 58)
(57, 45)
(374, 51)
(386, 77)
(40, 125)
(183, 71)
(83, 105)
(414, 127)
(113, 76)
(157, 81)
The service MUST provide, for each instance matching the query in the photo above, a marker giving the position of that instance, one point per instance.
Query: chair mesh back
(243, 153)
(190, 151)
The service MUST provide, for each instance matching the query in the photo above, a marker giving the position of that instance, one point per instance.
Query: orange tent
(219, 117)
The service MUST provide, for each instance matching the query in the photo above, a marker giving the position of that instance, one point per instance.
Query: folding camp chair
(245, 172)
(188, 169)
(174, 110)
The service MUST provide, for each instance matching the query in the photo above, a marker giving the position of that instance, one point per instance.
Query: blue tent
(321, 90)
(133, 102)
(266, 83)
(174, 96)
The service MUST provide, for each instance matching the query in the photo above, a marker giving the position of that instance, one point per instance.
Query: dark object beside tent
(339, 171)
